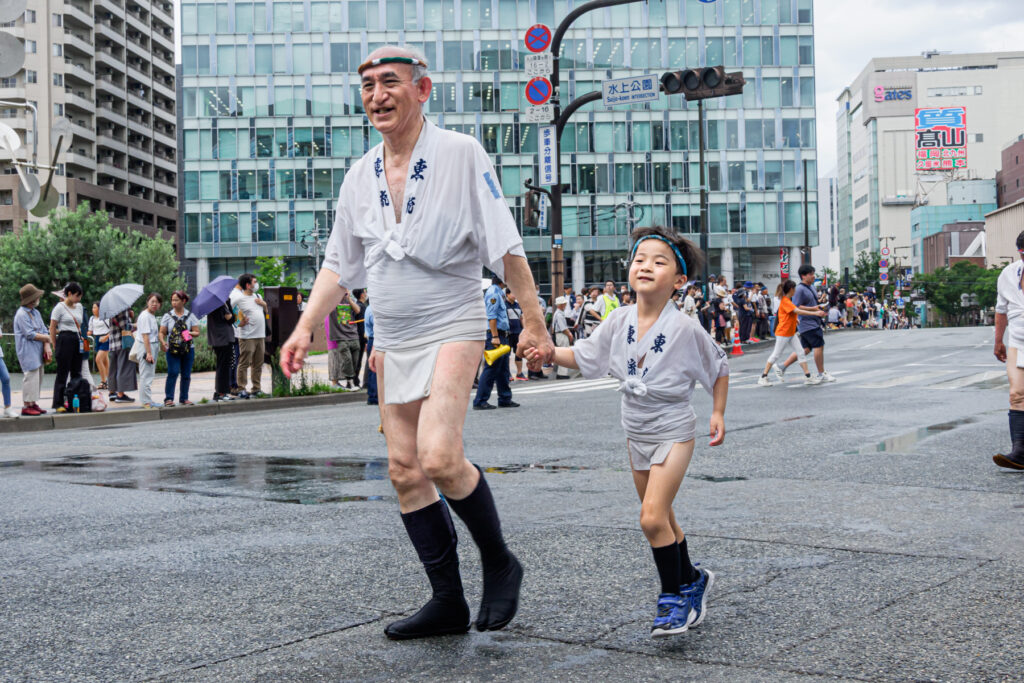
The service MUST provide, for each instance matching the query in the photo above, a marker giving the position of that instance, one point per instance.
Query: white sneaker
(763, 381)
(780, 372)
(825, 377)
(813, 379)
(10, 412)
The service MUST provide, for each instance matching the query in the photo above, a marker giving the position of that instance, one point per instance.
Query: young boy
(658, 353)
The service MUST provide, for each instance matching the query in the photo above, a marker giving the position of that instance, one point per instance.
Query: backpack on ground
(177, 344)
(79, 387)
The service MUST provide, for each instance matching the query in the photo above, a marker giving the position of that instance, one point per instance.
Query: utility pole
(807, 222)
(704, 238)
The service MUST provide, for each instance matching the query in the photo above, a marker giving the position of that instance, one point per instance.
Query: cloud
(846, 39)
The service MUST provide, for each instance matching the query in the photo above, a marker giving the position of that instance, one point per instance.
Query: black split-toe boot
(1014, 460)
(503, 575)
(433, 535)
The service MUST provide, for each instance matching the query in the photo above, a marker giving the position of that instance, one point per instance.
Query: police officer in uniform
(497, 334)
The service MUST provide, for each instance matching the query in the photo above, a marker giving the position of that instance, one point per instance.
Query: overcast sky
(848, 33)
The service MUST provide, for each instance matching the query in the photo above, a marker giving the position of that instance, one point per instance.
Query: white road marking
(905, 379)
(961, 382)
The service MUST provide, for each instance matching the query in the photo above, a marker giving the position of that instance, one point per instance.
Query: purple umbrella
(212, 296)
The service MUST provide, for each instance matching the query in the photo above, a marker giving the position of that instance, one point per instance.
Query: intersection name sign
(546, 148)
(630, 90)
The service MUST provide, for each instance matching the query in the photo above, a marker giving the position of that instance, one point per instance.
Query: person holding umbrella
(220, 331)
(115, 308)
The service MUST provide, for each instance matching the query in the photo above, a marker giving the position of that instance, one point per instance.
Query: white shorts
(409, 370)
(643, 454)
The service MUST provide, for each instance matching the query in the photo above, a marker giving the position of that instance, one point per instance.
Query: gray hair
(418, 72)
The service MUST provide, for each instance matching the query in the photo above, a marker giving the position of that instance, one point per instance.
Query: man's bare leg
(439, 447)
(427, 521)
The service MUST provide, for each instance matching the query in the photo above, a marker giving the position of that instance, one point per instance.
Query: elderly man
(423, 212)
(1010, 315)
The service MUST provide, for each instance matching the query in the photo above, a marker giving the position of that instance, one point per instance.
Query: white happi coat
(423, 273)
(1010, 302)
(656, 373)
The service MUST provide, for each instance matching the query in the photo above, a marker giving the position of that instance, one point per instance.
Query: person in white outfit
(1010, 318)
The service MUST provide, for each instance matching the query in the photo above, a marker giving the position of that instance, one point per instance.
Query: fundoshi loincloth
(409, 367)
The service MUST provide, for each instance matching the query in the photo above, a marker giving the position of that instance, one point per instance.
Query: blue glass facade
(271, 120)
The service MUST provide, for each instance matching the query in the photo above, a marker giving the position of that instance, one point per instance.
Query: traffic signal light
(531, 212)
(701, 84)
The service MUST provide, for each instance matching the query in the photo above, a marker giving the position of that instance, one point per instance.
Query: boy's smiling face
(654, 270)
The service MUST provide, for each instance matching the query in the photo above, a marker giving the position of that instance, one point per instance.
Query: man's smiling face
(393, 102)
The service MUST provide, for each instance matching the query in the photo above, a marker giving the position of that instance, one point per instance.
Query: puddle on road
(716, 480)
(905, 442)
(516, 469)
(302, 481)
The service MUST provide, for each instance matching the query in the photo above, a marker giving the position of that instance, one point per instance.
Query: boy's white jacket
(657, 373)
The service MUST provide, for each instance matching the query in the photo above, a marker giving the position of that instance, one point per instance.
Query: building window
(58, 50)
(6, 197)
(30, 47)
(58, 19)
(979, 137)
(30, 16)
(8, 82)
(58, 79)
(32, 76)
(58, 109)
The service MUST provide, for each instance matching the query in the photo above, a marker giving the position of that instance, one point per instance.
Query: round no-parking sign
(538, 90)
(537, 38)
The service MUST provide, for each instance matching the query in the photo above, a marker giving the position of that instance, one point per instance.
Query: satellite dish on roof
(12, 52)
(11, 10)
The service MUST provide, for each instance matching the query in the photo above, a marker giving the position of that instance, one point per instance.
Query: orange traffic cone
(736, 349)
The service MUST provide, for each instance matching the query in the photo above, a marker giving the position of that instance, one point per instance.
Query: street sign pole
(704, 239)
(555, 216)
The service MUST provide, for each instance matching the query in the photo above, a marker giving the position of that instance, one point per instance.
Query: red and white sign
(784, 262)
(537, 38)
(538, 90)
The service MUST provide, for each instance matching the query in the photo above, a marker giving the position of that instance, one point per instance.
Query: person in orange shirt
(785, 336)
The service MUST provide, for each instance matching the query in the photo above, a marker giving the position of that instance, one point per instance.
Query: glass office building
(271, 119)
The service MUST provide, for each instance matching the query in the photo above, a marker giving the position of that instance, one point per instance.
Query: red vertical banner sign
(784, 262)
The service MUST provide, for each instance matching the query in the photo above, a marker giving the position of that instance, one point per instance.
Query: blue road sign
(538, 37)
(538, 90)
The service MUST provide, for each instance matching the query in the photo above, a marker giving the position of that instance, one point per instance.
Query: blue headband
(679, 255)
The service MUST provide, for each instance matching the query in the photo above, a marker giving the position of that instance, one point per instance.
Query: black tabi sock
(687, 572)
(666, 558)
(478, 512)
(1017, 429)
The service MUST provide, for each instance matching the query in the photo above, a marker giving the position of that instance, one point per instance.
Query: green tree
(271, 271)
(865, 271)
(943, 287)
(81, 245)
(833, 276)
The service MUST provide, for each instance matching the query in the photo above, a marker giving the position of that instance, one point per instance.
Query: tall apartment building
(878, 184)
(272, 119)
(107, 66)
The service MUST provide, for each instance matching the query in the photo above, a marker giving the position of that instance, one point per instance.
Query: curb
(87, 420)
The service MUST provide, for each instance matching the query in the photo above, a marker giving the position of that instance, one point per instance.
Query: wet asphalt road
(859, 530)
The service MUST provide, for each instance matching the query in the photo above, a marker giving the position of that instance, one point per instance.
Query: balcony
(136, 100)
(137, 47)
(165, 188)
(82, 128)
(163, 10)
(107, 57)
(163, 40)
(114, 169)
(81, 160)
(164, 115)
(138, 178)
(12, 93)
(79, 70)
(163, 89)
(137, 71)
(109, 140)
(105, 111)
(79, 99)
(78, 13)
(137, 22)
(78, 40)
(106, 84)
(106, 29)
(165, 163)
(164, 138)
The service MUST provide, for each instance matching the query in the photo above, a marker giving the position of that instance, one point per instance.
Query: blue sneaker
(673, 615)
(696, 594)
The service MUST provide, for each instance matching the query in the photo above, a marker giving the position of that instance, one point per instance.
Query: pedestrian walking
(395, 228)
(607, 302)
(498, 372)
(178, 328)
(65, 336)
(148, 333)
(1010, 319)
(220, 335)
(99, 332)
(785, 336)
(809, 327)
(252, 331)
(657, 353)
(122, 375)
(369, 376)
(32, 347)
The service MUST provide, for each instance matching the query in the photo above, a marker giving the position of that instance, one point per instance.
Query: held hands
(717, 432)
(535, 346)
